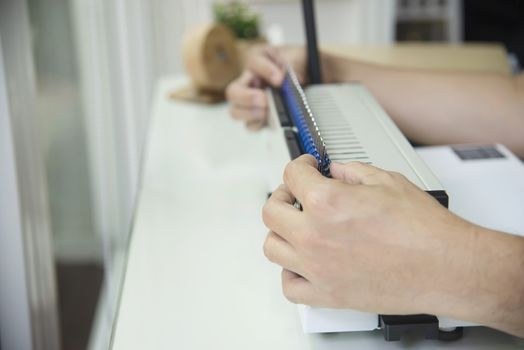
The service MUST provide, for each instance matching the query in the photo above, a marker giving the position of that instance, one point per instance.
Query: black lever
(313, 59)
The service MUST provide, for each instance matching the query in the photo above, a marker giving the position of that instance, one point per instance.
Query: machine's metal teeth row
(303, 118)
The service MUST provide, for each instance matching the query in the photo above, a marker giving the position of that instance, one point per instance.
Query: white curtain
(28, 300)
(342, 22)
(116, 61)
(171, 19)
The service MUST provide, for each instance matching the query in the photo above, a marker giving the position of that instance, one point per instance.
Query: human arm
(370, 240)
(442, 107)
(430, 107)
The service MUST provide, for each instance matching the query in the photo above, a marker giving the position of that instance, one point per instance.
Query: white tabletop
(196, 276)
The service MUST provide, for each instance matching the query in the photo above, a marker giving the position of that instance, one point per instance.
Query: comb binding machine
(343, 122)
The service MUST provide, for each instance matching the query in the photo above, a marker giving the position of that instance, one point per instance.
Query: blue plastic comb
(308, 133)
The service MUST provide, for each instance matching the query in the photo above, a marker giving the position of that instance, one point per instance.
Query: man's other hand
(265, 66)
(367, 239)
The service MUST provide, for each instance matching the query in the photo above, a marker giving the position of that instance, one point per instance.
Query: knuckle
(290, 296)
(289, 170)
(388, 176)
(356, 165)
(398, 176)
(289, 292)
(317, 197)
(268, 252)
(385, 177)
(267, 213)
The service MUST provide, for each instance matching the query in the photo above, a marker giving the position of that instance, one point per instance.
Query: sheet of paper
(486, 191)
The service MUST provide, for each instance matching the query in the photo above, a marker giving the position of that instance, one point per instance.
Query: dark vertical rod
(313, 58)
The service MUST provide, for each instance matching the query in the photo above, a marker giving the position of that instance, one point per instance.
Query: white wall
(339, 22)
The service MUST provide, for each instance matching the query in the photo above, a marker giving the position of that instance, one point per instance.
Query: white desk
(196, 275)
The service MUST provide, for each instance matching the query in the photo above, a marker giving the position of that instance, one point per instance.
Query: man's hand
(370, 240)
(367, 239)
(265, 66)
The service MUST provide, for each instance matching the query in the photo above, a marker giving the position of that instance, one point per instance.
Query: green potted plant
(244, 23)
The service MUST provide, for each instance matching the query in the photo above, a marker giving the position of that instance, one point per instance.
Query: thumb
(263, 66)
(357, 173)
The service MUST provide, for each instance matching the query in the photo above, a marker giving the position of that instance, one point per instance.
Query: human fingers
(279, 251)
(296, 57)
(248, 114)
(297, 289)
(280, 216)
(241, 93)
(283, 194)
(261, 65)
(255, 125)
(274, 54)
(303, 178)
(359, 173)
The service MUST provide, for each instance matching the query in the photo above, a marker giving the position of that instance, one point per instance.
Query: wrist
(498, 273)
(482, 279)
(447, 283)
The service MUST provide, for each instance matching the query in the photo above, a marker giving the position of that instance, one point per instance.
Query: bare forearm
(500, 279)
(487, 285)
(434, 107)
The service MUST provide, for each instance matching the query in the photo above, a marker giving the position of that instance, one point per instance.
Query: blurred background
(76, 82)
